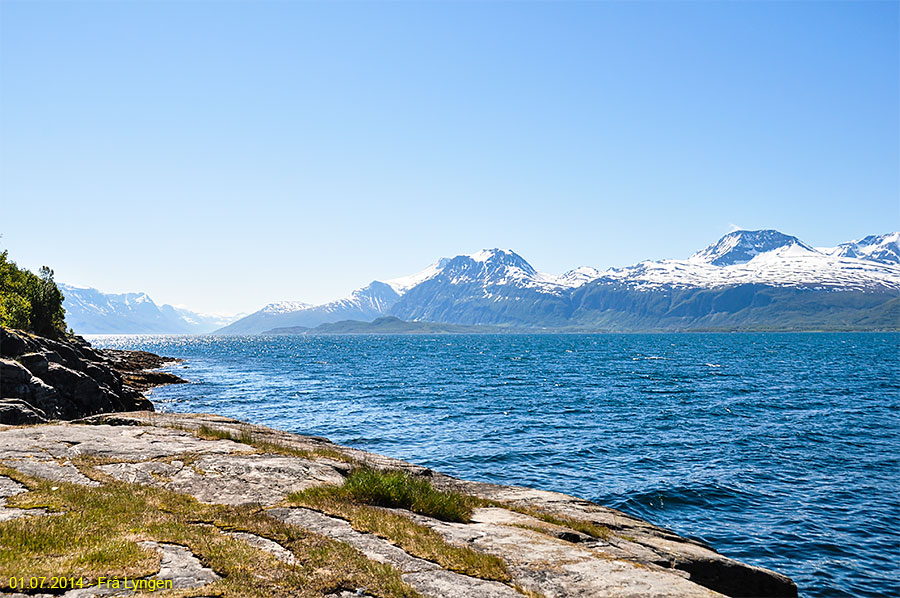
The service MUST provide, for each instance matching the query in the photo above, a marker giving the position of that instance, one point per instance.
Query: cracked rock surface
(635, 559)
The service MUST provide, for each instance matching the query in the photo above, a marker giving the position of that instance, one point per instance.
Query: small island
(390, 325)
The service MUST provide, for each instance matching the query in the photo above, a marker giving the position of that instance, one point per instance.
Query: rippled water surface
(778, 449)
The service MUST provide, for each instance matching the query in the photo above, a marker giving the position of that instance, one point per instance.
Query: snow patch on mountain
(404, 283)
(282, 307)
(579, 276)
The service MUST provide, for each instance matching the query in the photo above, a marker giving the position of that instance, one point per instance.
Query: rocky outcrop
(200, 455)
(43, 379)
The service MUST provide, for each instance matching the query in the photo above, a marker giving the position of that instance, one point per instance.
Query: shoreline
(608, 546)
(551, 543)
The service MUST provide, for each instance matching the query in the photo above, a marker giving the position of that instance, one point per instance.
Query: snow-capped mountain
(744, 278)
(484, 274)
(89, 311)
(741, 246)
(489, 287)
(496, 267)
(876, 248)
(364, 304)
(764, 257)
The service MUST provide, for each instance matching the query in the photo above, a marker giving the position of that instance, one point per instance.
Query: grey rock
(125, 443)
(82, 394)
(373, 547)
(9, 488)
(233, 479)
(17, 412)
(177, 564)
(636, 559)
(12, 343)
(16, 382)
(51, 470)
(426, 577)
(181, 566)
(63, 380)
(447, 584)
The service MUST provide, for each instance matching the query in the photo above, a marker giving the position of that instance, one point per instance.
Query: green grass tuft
(399, 490)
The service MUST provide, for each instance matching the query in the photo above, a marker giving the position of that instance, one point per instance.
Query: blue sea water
(777, 449)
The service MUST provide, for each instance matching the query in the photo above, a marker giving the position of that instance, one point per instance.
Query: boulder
(16, 412)
(12, 344)
(18, 384)
(35, 362)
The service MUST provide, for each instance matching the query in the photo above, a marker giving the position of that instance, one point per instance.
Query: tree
(15, 308)
(30, 302)
(47, 314)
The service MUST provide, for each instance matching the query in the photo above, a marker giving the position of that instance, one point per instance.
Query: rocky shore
(216, 507)
(42, 379)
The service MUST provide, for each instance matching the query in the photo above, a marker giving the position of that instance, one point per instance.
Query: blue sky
(225, 155)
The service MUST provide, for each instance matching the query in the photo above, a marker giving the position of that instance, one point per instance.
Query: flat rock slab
(231, 479)
(643, 543)
(447, 584)
(370, 545)
(120, 443)
(181, 566)
(51, 470)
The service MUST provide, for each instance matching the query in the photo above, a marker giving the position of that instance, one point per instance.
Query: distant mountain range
(761, 279)
(364, 304)
(88, 311)
(746, 280)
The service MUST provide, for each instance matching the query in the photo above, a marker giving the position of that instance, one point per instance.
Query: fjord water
(779, 450)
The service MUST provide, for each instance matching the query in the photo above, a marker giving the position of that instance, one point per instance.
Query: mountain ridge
(499, 287)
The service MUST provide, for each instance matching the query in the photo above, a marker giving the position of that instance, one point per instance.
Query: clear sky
(223, 155)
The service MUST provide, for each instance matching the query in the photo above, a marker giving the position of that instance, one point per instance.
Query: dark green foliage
(30, 302)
